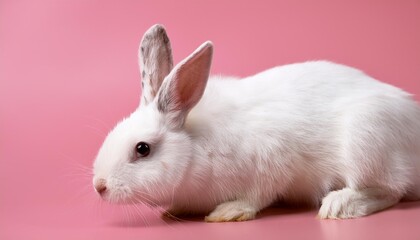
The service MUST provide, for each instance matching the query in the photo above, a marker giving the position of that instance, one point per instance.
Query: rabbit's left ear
(185, 85)
(155, 60)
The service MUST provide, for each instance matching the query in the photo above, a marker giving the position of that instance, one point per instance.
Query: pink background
(68, 73)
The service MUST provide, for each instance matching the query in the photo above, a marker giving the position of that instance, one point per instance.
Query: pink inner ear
(191, 76)
(185, 85)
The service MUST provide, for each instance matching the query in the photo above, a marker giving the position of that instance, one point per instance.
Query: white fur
(298, 133)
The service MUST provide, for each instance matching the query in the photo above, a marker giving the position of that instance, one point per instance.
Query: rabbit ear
(184, 86)
(155, 60)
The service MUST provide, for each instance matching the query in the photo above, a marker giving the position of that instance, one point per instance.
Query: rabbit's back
(327, 125)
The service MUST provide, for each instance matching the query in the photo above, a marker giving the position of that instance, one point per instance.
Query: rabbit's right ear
(183, 88)
(155, 60)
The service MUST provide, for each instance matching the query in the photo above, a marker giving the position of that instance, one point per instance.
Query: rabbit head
(146, 156)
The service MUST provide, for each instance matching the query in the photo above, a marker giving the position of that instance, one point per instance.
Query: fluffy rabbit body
(314, 133)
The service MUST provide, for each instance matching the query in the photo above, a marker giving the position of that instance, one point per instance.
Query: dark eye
(142, 149)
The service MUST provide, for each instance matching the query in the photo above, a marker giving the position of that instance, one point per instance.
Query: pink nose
(100, 185)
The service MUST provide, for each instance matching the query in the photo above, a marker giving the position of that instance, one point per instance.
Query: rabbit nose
(100, 186)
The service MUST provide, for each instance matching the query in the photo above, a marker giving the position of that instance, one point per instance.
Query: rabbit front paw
(232, 211)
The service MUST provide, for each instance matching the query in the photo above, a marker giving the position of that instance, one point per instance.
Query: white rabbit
(311, 133)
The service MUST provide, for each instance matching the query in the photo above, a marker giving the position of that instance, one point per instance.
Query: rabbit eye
(142, 149)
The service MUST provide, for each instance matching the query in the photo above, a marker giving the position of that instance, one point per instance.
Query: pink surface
(68, 72)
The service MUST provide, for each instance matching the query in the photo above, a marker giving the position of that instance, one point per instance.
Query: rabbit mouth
(126, 196)
(117, 195)
(114, 197)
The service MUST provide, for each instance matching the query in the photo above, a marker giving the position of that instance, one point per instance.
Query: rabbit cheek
(165, 166)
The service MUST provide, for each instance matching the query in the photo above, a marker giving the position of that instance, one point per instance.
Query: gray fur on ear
(155, 60)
